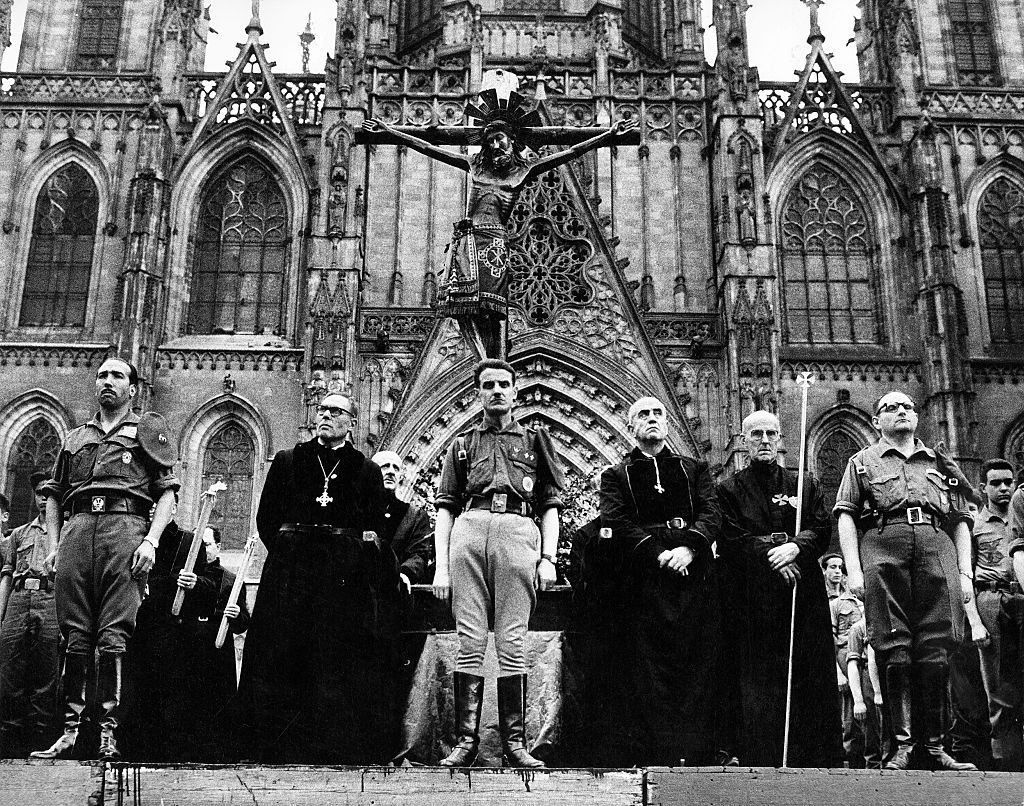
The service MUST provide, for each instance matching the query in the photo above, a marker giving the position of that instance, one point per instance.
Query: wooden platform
(43, 783)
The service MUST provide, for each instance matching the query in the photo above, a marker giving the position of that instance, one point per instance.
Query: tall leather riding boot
(934, 686)
(73, 681)
(108, 693)
(898, 700)
(512, 721)
(469, 700)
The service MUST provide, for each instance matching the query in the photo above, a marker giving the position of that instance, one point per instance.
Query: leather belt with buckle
(671, 523)
(41, 584)
(913, 516)
(107, 505)
(501, 504)
(998, 585)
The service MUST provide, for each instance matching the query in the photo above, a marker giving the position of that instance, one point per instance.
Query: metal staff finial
(305, 38)
(804, 381)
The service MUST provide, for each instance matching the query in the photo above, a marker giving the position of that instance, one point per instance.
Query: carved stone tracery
(548, 248)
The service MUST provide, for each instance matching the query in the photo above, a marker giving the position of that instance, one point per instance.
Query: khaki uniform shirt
(96, 463)
(992, 545)
(27, 548)
(880, 476)
(514, 460)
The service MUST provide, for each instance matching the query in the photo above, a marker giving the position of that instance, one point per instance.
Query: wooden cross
(460, 135)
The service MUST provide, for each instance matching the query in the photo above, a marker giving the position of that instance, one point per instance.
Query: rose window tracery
(548, 251)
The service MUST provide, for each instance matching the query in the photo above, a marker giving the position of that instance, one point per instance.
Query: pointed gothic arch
(995, 215)
(842, 239)
(225, 147)
(81, 246)
(832, 439)
(226, 436)
(239, 253)
(34, 426)
(1013, 445)
(584, 398)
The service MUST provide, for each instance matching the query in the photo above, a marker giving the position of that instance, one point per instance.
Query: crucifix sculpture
(474, 289)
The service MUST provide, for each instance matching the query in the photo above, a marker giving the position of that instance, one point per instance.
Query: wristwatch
(548, 557)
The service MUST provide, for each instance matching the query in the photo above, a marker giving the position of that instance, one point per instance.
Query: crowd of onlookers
(987, 670)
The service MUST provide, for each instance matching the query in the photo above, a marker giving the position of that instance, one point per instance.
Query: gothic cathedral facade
(226, 232)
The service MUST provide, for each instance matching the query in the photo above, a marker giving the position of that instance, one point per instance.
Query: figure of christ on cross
(475, 289)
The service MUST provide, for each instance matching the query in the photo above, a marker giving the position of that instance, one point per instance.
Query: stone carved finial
(255, 27)
(305, 39)
(815, 35)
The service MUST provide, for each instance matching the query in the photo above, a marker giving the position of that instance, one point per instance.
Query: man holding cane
(491, 557)
(766, 557)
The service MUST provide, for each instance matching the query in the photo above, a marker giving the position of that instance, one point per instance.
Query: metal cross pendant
(324, 498)
(659, 489)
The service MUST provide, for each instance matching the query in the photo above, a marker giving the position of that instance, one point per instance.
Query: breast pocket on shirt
(523, 472)
(81, 463)
(118, 458)
(887, 490)
(937, 492)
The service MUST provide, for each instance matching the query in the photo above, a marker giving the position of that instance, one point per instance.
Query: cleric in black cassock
(663, 511)
(317, 681)
(162, 679)
(761, 561)
(216, 701)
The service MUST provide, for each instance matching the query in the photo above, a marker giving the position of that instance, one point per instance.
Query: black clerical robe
(673, 619)
(162, 682)
(317, 682)
(408, 531)
(756, 502)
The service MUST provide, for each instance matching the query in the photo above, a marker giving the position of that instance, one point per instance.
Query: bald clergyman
(763, 557)
(407, 528)
(662, 510)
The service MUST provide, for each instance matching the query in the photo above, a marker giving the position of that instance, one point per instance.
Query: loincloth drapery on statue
(477, 278)
(474, 289)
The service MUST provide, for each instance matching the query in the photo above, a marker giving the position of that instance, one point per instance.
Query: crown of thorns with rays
(511, 113)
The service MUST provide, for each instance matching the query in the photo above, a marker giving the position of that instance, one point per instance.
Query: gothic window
(35, 450)
(240, 254)
(827, 259)
(973, 51)
(833, 456)
(420, 19)
(60, 254)
(641, 24)
(231, 458)
(1001, 236)
(99, 34)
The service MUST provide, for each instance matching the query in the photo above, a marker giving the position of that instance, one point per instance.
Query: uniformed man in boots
(110, 475)
(29, 637)
(914, 567)
(491, 557)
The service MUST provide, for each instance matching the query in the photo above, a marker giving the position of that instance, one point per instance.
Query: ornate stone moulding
(684, 329)
(950, 102)
(256, 359)
(889, 371)
(34, 354)
(998, 370)
(76, 88)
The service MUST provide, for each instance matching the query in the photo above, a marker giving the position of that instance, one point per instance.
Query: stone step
(69, 783)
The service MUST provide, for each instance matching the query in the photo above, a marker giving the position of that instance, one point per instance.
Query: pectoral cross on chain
(324, 498)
